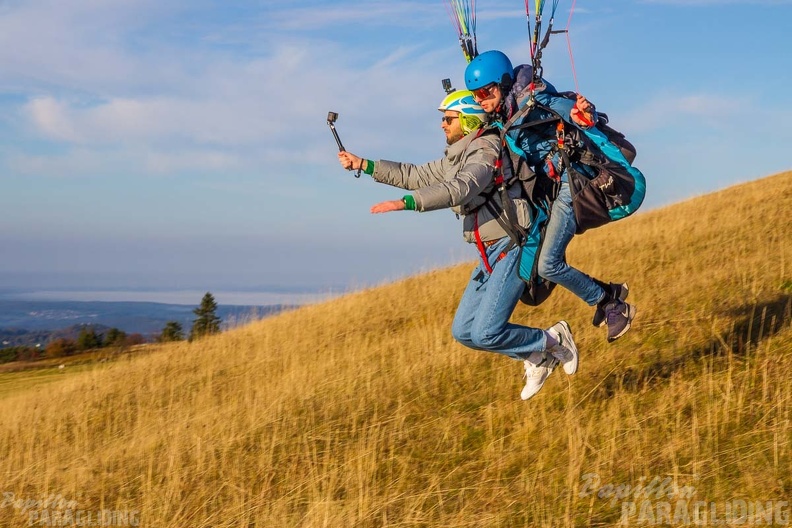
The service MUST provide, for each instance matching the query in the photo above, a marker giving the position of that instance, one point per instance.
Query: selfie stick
(331, 119)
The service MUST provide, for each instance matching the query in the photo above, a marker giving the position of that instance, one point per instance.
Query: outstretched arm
(349, 161)
(473, 176)
(387, 207)
(402, 175)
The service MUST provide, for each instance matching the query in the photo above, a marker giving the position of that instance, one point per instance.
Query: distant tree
(207, 322)
(8, 354)
(88, 339)
(173, 331)
(60, 347)
(28, 353)
(114, 337)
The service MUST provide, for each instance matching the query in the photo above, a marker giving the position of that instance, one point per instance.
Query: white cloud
(151, 121)
(111, 163)
(182, 161)
(100, 81)
(52, 119)
(117, 106)
(76, 45)
(76, 162)
(349, 16)
(701, 109)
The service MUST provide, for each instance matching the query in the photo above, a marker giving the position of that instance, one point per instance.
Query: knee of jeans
(549, 268)
(461, 334)
(486, 338)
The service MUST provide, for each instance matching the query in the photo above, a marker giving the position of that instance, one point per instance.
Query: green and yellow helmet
(471, 115)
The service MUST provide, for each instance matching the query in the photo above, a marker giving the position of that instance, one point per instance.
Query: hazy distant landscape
(30, 317)
(135, 317)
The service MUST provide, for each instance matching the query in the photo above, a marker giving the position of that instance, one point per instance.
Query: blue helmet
(487, 68)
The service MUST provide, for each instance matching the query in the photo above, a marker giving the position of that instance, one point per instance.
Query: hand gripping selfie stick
(331, 119)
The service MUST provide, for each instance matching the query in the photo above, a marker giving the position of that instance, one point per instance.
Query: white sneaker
(538, 366)
(565, 351)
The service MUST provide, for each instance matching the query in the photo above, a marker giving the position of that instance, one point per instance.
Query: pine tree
(172, 332)
(88, 339)
(207, 322)
(114, 337)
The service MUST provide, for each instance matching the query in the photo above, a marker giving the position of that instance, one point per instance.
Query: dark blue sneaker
(619, 316)
(615, 292)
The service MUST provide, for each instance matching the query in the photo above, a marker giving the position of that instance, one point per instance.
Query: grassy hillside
(363, 412)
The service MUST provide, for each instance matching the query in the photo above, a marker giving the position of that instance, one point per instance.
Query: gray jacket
(462, 181)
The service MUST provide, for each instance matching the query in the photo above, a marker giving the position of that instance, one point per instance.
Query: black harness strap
(535, 123)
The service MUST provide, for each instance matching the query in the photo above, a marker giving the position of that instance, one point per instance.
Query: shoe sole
(631, 311)
(625, 291)
(574, 349)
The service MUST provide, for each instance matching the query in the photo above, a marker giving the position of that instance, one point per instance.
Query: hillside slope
(363, 412)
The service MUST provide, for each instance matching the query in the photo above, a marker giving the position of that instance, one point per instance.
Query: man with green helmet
(463, 180)
(461, 104)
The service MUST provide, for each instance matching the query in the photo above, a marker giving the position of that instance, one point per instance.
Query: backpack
(614, 189)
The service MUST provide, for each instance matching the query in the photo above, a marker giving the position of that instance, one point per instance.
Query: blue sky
(183, 144)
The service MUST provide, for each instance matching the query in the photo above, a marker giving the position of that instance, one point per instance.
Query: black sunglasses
(447, 119)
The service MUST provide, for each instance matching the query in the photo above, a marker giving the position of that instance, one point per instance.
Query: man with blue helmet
(502, 91)
(463, 180)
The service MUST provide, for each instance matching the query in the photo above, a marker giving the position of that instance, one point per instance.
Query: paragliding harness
(614, 189)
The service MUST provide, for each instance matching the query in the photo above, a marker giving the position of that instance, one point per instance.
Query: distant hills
(13, 337)
(24, 322)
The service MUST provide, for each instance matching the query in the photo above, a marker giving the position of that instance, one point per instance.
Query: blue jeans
(559, 233)
(482, 318)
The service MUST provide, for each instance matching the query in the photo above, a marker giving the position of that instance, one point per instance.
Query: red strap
(551, 171)
(581, 115)
(569, 46)
(480, 244)
(498, 172)
(481, 248)
(499, 164)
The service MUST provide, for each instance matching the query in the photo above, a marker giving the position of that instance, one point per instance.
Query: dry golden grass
(363, 412)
